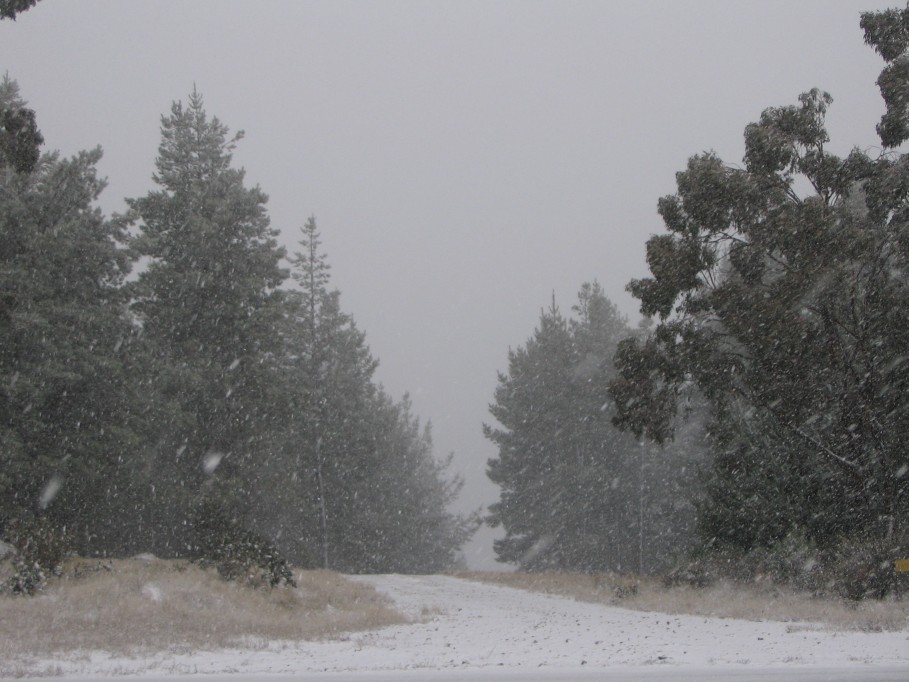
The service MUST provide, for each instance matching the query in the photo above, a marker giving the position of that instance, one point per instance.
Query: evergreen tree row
(168, 384)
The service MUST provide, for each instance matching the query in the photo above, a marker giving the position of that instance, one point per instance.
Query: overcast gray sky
(463, 159)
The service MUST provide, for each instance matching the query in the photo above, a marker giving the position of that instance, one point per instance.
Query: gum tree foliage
(888, 33)
(10, 8)
(781, 293)
(207, 301)
(66, 414)
(567, 475)
(360, 490)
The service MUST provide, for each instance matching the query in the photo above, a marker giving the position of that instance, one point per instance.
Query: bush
(238, 553)
(706, 566)
(39, 550)
(854, 568)
(865, 569)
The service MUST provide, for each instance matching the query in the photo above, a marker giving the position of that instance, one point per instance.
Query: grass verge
(757, 601)
(138, 606)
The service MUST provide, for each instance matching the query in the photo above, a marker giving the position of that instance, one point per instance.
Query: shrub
(39, 550)
(864, 568)
(237, 552)
(854, 568)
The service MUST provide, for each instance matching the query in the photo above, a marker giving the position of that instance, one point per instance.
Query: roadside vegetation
(144, 605)
(759, 600)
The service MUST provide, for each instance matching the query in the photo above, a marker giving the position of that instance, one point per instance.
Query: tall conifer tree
(208, 301)
(564, 470)
(66, 416)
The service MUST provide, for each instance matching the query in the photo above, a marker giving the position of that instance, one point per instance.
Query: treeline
(172, 382)
(780, 293)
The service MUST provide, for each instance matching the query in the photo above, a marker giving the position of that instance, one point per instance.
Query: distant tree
(208, 302)
(360, 490)
(569, 496)
(330, 384)
(529, 402)
(407, 525)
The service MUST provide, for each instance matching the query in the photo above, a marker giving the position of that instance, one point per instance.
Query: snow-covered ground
(465, 625)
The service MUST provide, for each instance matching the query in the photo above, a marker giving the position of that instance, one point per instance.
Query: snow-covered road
(486, 625)
(469, 630)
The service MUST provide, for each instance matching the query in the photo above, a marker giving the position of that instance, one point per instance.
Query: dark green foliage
(235, 551)
(40, 548)
(207, 302)
(787, 313)
(888, 33)
(199, 410)
(67, 422)
(20, 138)
(10, 8)
(854, 569)
(864, 567)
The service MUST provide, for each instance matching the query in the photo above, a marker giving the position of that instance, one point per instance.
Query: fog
(464, 160)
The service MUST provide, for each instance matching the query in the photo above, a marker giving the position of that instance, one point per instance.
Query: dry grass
(756, 601)
(135, 606)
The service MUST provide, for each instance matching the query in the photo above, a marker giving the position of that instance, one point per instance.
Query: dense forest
(173, 382)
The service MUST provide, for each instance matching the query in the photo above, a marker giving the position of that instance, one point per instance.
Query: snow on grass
(754, 601)
(461, 625)
(139, 608)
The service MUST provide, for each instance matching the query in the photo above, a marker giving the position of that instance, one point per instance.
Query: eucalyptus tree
(9, 9)
(781, 290)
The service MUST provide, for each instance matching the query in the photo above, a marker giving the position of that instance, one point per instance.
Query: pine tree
(20, 138)
(68, 422)
(332, 383)
(208, 301)
(350, 450)
(566, 473)
(406, 525)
